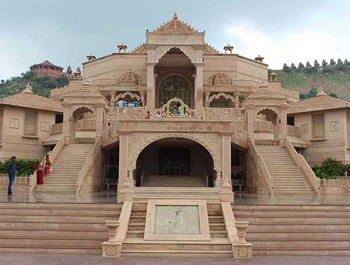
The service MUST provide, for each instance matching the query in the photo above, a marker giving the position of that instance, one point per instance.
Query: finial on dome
(175, 16)
(28, 89)
(321, 92)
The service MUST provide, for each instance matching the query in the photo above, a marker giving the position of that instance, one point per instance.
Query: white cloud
(304, 46)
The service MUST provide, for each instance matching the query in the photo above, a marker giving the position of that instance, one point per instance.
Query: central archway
(175, 162)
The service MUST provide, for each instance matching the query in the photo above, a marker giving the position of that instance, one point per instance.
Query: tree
(28, 75)
(333, 95)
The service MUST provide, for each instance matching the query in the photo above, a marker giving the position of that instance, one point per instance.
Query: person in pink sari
(39, 173)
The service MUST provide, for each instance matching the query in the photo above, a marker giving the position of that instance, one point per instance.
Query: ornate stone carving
(175, 25)
(219, 95)
(189, 51)
(220, 78)
(129, 78)
(127, 94)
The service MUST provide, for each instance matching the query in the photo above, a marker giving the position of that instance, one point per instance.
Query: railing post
(242, 249)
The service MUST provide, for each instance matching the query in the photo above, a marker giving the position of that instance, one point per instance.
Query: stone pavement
(55, 259)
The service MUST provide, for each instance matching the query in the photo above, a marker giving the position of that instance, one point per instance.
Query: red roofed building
(47, 69)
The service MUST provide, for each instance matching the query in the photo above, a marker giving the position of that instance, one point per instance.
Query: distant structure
(47, 69)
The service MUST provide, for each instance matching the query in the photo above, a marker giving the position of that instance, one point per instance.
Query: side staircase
(296, 230)
(65, 169)
(135, 245)
(68, 228)
(287, 177)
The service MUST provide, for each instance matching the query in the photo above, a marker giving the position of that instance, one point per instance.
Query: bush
(23, 167)
(330, 169)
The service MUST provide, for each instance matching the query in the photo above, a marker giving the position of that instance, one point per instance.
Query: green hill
(335, 79)
(41, 85)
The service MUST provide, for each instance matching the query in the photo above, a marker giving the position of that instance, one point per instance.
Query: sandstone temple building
(176, 128)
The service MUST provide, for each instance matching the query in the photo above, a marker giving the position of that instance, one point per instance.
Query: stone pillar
(198, 91)
(112, 102)
(150, 87)
(125, 190)
(250, 109)
(66, 122)
(226, 194)
(99, 118)
(142, 95)
(284, 125)
(236, 95)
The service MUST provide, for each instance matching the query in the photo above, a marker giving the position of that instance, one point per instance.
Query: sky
(64, 32)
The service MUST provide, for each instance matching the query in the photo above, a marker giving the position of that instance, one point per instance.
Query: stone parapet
(335, 186)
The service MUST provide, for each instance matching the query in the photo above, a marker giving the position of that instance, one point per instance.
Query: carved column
(250, 116)
(150, 86)
(198, 105)
(284, 126)
(226, 194)
(66, 122)
(142, 95)
(218, 182)
(236, 95)
(99, 118)
(112, 102)
(123, 160)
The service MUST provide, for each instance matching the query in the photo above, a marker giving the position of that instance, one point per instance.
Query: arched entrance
(77, 115)
(175, 162)
(272, 122)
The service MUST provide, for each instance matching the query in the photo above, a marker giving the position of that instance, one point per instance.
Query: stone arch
(219, 95)
(190, 52)
(269, 112)
(131, 95)
(137, 149)
(77, 111)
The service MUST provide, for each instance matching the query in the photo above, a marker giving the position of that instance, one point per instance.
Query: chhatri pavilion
(176, 128)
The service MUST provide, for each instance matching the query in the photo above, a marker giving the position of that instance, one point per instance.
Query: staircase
(65, 169)
(287, 177)
(174, 181)
(69, 228)
(297, 230)
(218, 246)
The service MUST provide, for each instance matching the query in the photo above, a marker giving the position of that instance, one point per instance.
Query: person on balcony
(11, 168)
(39, 173)
(158, 116)
(148, 115)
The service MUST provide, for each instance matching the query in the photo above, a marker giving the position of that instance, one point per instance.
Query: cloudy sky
(64, 32)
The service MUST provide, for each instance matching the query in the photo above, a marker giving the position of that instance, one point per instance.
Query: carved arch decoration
(211, 142)
(274, 110)
(124, 95)
(219, 95)
(188, 112)
(189, 51)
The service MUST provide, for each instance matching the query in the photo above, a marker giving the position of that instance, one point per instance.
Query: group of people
(176, 110)
(40, 171)
(123, 104)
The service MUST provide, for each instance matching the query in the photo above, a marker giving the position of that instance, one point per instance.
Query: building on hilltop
(47, 69)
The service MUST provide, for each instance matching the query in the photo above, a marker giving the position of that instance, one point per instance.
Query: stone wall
(21, 183)
(255, 179)
(93, 180)
(335, 186)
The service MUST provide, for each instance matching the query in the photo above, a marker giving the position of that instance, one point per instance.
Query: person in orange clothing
(39, 173)
(47, 165)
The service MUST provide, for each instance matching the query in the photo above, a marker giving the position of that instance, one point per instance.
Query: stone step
(301, 252)
(301, 245)
(23, 226)
(61, 206)
(273, 228)
(53, 219)
(295, 220)
(80, 251)
(177, 254)
(299, 208)
(59, 235)
(49, 212)
(252, 237)
(291, 213)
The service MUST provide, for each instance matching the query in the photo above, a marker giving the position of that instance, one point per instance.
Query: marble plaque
(176, 219)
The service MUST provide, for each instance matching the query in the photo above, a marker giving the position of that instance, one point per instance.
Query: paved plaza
(47, 259)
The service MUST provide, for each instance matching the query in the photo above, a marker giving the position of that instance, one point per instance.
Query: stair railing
(301, 162)
(87, 164)
(261, 165)
(53, 155)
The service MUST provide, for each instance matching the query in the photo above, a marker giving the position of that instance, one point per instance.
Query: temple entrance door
(174, 86)
(174, 161)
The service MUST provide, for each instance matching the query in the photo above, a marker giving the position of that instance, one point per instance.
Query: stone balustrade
(337, 186)
(293, 130)
(21, 184)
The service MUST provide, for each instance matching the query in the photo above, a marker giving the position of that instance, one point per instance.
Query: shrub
(330, 169)
(24, 167)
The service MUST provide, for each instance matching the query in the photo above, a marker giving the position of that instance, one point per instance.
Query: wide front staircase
(287, 177)
(296, 229)
(68, 228)
(135, 245)
(65, 169)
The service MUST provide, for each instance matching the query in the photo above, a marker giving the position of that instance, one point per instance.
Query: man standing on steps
(11, 167)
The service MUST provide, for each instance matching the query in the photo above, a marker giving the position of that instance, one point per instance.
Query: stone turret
(308, 65)
(259, 58)
(285, 65)
(293, 66)
(316, 64)
(332, 62)
(339, 61)
(324, 63)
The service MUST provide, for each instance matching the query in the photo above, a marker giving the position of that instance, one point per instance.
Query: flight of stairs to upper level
(287, 177)
(135, 245)
(69, 228)
(65, 169)
(296, 230)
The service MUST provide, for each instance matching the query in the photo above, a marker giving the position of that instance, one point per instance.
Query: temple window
(174, 86)
(318, 125)
(30, 124)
